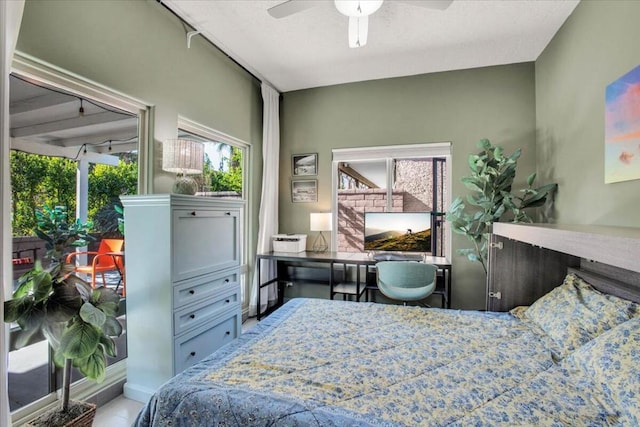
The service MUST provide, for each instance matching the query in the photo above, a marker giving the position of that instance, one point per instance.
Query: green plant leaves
(15, 308)
(79, 340)
(31, 316)
(109, 346)
(28, 314)
(112, 327)
(77, 320)
(53, 333)
(105, 295)
(63, 304)
(24, 337)
(93, 315)
(484, 144)
(110, 308)
(84, 290)
(58, 358)
(42, 285)
(472, 183)
(491, 183)
(93, 366)
(54, 229)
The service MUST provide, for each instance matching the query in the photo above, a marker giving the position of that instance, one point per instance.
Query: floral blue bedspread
(334, 363)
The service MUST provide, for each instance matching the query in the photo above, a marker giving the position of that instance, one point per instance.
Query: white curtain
(268, 218)
(10, 19)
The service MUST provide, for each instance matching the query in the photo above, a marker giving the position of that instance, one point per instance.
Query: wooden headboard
(628, 289)
(528, 260)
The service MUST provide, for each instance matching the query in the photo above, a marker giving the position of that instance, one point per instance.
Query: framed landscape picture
(304, 191)
(304, 164)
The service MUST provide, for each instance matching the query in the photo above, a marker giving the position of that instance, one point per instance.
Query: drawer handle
(228, 213)
(228, 333)
(226, 280)
(228, 301)
(193, 213)
(192, 292)
(193, 353)
(193, 316)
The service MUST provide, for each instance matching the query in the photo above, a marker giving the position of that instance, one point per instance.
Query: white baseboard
(135, 392)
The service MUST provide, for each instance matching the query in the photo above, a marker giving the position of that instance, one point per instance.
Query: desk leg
(357, 283)
(279, 287)
(259, 268)
(331, 281)
(447, 281)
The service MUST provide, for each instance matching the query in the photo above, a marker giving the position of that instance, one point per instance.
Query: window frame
(389, 154)
(47, 74)
(203, 131)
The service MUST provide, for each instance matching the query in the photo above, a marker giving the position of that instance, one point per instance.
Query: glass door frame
(31, 68)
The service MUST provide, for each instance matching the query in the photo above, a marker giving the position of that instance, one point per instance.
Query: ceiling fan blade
(429, 4)
(290, 7)
(358, 29)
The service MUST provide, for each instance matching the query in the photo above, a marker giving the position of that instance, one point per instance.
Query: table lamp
(183, 157)
(320, 222)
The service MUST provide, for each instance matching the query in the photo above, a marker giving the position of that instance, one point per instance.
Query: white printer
(289, 242)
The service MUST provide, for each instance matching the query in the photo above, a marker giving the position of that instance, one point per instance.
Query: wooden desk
(331, 261)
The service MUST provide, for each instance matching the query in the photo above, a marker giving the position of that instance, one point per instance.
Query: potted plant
(492, 200)
(79, 322)
(109, 220)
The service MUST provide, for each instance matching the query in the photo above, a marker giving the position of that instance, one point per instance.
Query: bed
(567, 359)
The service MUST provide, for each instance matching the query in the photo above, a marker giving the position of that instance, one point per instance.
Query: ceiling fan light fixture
(358, 29)
(357, 8)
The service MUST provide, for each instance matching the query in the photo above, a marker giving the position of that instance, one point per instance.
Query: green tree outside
(108, 183)
(38, 180)
(228, 176)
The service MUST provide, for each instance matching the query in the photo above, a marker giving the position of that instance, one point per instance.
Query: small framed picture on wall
(304, 164)
(304, 190)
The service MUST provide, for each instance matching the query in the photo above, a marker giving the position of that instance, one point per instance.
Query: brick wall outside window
(413, 192)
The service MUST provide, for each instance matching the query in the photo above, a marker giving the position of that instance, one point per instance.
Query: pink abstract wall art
(622, 128)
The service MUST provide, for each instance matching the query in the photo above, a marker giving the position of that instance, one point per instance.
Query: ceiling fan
(357, 11)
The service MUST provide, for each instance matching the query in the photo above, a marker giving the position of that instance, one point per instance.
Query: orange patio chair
(109, 257)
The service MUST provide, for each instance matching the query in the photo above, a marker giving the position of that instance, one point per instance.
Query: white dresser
(182, 257)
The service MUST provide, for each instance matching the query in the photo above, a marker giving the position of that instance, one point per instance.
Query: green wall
(553, 109)
(139, 48)
(596, 45)
(461, 107)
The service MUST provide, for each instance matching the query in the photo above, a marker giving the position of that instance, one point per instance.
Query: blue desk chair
(406, 280)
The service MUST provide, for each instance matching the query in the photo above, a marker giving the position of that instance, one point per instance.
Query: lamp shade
(183, 156)
(321, 222)
(357, 8)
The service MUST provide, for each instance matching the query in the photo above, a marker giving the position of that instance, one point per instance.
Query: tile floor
(122, 412)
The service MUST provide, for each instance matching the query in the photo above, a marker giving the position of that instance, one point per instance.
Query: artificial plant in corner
(79, 322)
(491, 199)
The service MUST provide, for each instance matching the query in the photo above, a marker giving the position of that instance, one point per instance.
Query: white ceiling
(310, 48)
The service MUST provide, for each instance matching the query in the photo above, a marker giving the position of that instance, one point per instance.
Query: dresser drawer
(204, 287)
(195, 345)
(208, 241)
(195, 315)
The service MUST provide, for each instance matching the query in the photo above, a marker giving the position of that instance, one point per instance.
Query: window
(406, 178)
(225, 175)
(223, 168)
